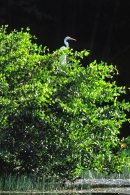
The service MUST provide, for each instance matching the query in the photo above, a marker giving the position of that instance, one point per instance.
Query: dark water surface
(60, 193)
(64, 194)
(92, 191)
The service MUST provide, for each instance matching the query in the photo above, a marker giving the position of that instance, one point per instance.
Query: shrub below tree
(57, 120)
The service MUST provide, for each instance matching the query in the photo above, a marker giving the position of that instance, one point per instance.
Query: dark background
(101, 26)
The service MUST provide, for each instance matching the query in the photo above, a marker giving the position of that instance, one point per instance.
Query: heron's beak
(73, 39)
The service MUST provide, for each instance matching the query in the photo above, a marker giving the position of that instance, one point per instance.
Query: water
(94, 191)
(85, 187)
(104, 182)
(104, 186)
(58, 194)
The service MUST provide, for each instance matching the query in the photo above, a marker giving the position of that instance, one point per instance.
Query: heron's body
(63, 58)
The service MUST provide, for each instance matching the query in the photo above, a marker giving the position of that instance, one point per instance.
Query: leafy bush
(56, 120)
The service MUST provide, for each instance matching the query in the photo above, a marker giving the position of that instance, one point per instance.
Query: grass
(27, 183)
(125, 174)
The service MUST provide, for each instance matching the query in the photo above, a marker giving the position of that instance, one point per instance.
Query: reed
(91, 174)
(31, 182)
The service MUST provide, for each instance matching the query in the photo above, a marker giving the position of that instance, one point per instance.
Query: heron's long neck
(66, 43)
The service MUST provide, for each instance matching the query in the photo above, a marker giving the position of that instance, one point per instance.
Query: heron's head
(68, 38)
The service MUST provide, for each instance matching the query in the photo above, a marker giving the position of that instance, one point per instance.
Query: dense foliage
(56, 120)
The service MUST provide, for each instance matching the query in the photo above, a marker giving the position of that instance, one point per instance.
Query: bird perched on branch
(63, 57)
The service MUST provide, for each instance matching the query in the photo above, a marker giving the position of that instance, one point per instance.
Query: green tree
(56, 120)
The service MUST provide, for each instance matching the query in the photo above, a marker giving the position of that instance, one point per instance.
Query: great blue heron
(63, 57)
